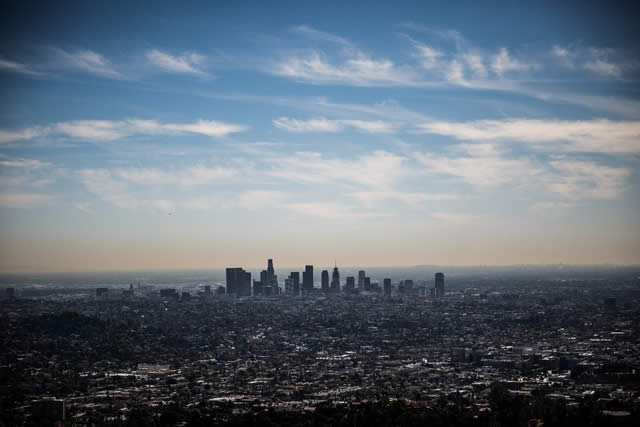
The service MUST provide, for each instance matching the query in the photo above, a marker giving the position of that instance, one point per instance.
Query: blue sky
(166, 135)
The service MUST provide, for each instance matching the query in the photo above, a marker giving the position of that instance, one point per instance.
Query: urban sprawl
(366, 351)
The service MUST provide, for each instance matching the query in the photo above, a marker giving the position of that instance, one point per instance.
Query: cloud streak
(16, 67)
(110, 130)
(593, 136)
(189, 177)
(326, 125)
(187, 63)
(88, 61)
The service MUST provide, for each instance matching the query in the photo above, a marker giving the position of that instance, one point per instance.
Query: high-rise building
(268, 284)
(288, 286)
(270, 270)
(361, 275)
(439, 285)
(272, 279)
(325, 281)
(367, 284)
(238, 282)
(387, 287)
(257, 287)
(335, 280)
(307, 278)
(350, 285)
(295, 276)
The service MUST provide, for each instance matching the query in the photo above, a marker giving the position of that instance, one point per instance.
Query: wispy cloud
(476, 63)
(478, 170)
(187, 63)
(109, 130)
(503, 63)
(357, 70)
(16, 67)
(24, 163)
(595, 136)
(326, 125)
(314, 34)
(575, 179)
(602, 61)
(378, 170)
(603, 68)
(312, 125)
(88, 61)
(427, 56)
(101, 183)
(7, 136)
(462, 65)
(192, 176)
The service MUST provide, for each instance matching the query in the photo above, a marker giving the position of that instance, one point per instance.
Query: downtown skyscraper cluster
(239, 283)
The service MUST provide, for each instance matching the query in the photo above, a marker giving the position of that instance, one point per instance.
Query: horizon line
(202, 269)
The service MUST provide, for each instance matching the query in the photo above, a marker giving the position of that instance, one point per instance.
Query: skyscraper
(350, 285)
(295, 276)
(439, 285)
(268, 284)
(335, 280)
(325, 281)
(288, 286)
(361, 275)
(270, 271)
(307, 278)
(238, 282)
(387, 287)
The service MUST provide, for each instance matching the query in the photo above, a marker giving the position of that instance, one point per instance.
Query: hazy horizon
(349, 269)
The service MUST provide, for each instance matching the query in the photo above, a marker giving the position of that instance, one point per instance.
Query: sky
(182, 135)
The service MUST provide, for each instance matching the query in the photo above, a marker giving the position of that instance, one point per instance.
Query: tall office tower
(335, 280)
(307, 278)
(270, 271)
(288, 286)
(245, 284)
(361, 275)
(387, 287)
(350, 285)
(257, 288)
(295, 276)
(367, 284)
(407, 286)
(270, 279)
(439, 285)
(238, 282)
(325, 281)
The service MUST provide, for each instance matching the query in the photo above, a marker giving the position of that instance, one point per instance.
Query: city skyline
(166, 137)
